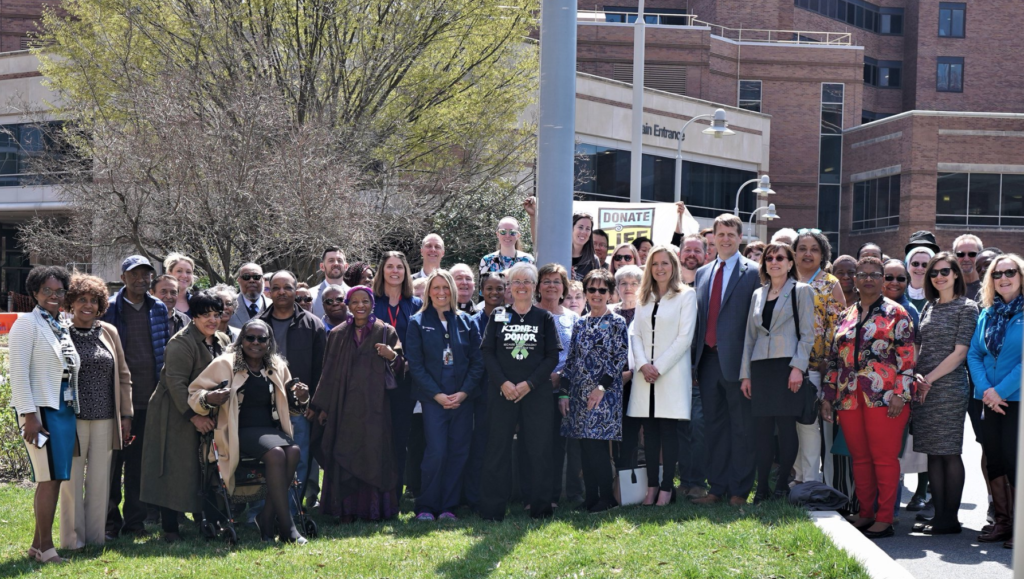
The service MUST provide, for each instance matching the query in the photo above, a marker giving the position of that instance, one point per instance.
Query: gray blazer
(732, 317)
(780, 340)
(242, 314)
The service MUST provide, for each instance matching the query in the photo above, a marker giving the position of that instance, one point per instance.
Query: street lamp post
(764, 187)
(770, 214)
(719, 128)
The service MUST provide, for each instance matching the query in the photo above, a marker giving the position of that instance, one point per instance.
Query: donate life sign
(624, 222)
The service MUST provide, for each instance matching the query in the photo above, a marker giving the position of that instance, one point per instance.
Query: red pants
(874, 441)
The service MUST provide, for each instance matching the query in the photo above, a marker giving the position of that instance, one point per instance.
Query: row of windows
(883, 73)
(21, 148)
(602, 174)
(662, 16)
(876, 203)
(858, 13)
(980, 199)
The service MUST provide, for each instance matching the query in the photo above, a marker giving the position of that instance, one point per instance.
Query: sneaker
(425, 517)
(447, 516)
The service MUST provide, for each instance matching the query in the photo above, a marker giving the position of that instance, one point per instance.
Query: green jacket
(170, 449)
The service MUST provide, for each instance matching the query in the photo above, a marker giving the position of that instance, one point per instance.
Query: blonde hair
(519, 237)
(648, 287)
(447, 277)
(988, 289)
(173, 259)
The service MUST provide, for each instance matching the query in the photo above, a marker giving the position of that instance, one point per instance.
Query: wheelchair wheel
(208, 530)
(310, 528)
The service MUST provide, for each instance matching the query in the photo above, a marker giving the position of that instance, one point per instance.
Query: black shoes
(886, 532)
(916, 504)
(602, 506)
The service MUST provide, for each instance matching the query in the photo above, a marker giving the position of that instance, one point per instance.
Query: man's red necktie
(711, 338)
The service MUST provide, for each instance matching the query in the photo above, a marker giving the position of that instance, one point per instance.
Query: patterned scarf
(69, 356)
(999, 318)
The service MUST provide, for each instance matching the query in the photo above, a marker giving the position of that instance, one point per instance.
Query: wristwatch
(600, 387)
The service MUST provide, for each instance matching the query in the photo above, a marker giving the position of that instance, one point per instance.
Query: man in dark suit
(724, 289)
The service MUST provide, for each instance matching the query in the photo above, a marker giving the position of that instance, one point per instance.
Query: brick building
(852, 87)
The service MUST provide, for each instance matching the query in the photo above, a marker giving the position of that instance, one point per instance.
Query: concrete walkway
(952, 556)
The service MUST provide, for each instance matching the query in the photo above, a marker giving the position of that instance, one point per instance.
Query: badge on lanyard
(500, 315)
(447, 357)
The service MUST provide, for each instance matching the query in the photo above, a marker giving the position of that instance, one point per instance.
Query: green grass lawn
(771, 540)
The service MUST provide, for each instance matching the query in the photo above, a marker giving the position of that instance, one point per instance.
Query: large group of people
(740, 369)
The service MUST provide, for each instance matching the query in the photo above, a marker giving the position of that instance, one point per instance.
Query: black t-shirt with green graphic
(523, 348)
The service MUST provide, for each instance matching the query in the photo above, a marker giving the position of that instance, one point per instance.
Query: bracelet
(206, 406)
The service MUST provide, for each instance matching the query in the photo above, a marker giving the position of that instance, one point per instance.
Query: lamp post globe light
(769, 214)
(764, 187)
(719, 128)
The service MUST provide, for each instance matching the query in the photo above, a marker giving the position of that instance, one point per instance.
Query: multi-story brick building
(852, 88)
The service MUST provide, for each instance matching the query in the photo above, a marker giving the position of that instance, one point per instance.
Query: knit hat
(922, 238)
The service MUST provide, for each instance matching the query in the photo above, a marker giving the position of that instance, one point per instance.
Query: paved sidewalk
(952, 556)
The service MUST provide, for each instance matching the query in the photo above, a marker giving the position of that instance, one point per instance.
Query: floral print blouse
(874, 361)
(598, 351)
(498, 262)
(826, 313)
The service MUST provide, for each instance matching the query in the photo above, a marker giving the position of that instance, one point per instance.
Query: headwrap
(361, 333)
(999, 318)
(927, 250)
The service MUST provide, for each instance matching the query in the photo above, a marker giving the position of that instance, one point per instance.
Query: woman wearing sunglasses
(591, 397)
(917, 266)
(625, 254)
(995, 361)
(870, 380)
(508, 253)
(776, 353)
(104, 392)
(660, 339)
(253, 419)
(947, 326)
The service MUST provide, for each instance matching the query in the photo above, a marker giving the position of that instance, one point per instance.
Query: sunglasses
(944, 272)
(53, 293)
(774, 258)
(597, 290)
(805, 231)
(919, 264)
(899, 278)
(260, 339)
(1009, 273)
(971, 254)
(512, 232)
(304, 300)
(251, 276)
(333, 301)
(625, 257)
(875, 275)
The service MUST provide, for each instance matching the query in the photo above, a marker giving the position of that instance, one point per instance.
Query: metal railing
(736, 34)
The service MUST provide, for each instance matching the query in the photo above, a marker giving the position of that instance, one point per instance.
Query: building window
(830, 157)
(950, 74)
(750, 95)
(668, 16)
(876, 203)
(951, 19)
(883, 73)
(602, 174)
(867, 116)
(980, 199)
(33, 154)
(858, 13)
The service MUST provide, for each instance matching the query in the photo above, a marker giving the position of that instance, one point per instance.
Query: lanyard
(813, 277)
(393, 316)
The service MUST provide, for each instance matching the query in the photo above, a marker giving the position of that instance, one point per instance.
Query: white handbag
(633, 485)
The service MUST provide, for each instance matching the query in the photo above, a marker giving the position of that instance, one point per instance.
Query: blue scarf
(999, 318)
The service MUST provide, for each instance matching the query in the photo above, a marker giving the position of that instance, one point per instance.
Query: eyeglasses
(51, 293)
(1009, 273)
(805, 231)
(599, 290)
(210, 315)
(333, 301)
(521, 282)
(260, 339)
(511, 232)
(944, 272)
(774, 258)
(305, 300)
(551, 282)
(622, 257)
(899, 278)
(251, 276)
(971, 254)
(919, 264)
(875, 275)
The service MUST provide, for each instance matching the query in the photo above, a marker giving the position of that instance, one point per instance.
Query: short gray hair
(967, 237)
(785, 233)
(629, 271)
(238, 272)
(225, 289)
(523, 268)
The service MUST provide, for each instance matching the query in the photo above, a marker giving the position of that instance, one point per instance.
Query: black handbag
(808, 392)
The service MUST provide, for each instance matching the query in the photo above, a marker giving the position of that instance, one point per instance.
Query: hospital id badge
(447, 357)
(500, 315)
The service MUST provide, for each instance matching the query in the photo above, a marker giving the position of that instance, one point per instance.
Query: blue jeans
(693, 451)
(448, 435)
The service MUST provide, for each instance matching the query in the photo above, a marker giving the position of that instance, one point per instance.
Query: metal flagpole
(556, 139)
(636, 160)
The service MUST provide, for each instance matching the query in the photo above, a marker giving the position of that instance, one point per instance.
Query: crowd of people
(706, 360)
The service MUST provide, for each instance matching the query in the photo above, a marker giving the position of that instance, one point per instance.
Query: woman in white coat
(660, 339)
